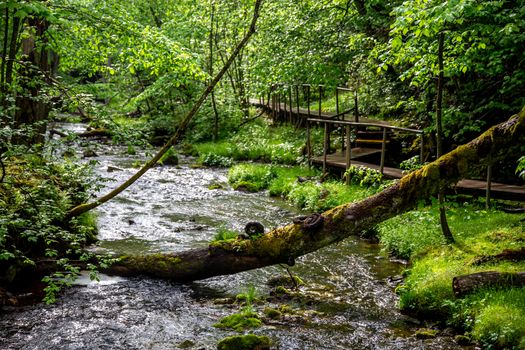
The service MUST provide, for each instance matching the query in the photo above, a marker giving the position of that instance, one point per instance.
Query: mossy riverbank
(491, 317)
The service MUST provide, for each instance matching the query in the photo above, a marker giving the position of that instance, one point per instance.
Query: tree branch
(80, 209)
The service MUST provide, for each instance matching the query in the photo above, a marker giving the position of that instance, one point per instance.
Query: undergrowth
(299, 185)
(493, 317)
(35, 195)
(259, 142)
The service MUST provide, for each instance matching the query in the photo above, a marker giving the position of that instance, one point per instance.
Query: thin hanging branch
(82, 208)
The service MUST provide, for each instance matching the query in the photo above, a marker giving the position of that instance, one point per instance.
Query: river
(347, 301)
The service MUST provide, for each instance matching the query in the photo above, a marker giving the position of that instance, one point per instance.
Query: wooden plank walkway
(338, 160)
(472, 187)
(313, 113)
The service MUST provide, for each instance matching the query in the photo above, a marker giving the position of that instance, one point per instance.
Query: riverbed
(348, 297)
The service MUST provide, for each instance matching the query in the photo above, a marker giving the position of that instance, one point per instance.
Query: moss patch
(425, 333)
(272, 313)
(239, 322)
(244, 342)
(170, 157)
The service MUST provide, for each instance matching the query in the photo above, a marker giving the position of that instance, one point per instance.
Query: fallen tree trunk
(284, 244)
(463, 285)
(507, 254)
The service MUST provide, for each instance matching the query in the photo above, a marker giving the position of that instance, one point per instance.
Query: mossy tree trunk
(284, 244)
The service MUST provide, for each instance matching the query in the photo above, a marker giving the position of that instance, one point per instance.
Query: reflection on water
(172, 209)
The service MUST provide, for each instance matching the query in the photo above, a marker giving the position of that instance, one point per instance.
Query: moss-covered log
(284, 244)
(465, 284)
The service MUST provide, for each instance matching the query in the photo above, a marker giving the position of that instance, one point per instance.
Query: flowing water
(347, 302)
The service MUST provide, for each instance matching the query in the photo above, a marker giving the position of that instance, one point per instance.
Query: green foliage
(492, 316)
(249, 296)
(224, 234)
(306, 193)
(499, 317)
(240, 322)
(244, 342)
(34, 198)
(411, 164)
(170, 157)
(364, 176)
(260, 142)
(520, 169)
(215, 160)
(415, 232)
(253, 176)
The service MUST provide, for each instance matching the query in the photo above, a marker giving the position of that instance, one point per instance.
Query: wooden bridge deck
(304, 113)
(472, 187)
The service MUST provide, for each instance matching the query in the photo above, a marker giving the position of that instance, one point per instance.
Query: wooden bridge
(363, 142)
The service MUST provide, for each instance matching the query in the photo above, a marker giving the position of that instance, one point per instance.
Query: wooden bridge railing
(285, 100)
(280, 97)
(346, 144)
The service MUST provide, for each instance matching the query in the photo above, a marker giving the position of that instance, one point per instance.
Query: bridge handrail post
(325, 147)
(308, 144)
(489, 186)
(337, 113)
(320, 98)
(348, 154)
(308, 99)
(297, 98)
(383, 151)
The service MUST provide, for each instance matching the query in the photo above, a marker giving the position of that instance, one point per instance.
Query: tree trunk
(33, 73)
(439, 141)
(463, 285)
(215, 133)
(507, 255)
(284, 244)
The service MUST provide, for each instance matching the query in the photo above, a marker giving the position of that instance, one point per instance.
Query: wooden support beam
(356, 107)
(320, 98)
(348, 153)
(297, 98)
(308, 144)
(336, 100)
(325, 146)
(308, 99)
(383, 151)
(291, 102)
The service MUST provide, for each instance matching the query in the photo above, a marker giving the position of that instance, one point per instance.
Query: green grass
(262, 143)
(283, 181)
(493, 317)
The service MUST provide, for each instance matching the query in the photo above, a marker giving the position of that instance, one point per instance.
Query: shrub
(411, 164)
(363, 176)
(214, 160)
(224, 234)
